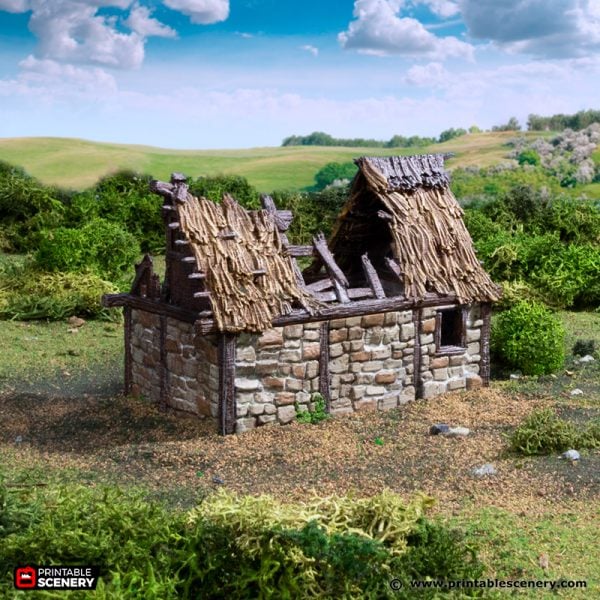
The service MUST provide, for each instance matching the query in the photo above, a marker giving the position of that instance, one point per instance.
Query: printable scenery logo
(56, 578)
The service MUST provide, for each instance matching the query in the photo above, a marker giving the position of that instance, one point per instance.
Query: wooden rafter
(372, 277)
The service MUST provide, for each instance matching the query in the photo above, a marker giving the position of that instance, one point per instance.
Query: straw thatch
(250, 278)
(403, 207)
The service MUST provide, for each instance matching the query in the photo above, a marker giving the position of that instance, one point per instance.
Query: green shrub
(26, 293)
(530, 338)
(529, 157)
(333, 171)
(543, 432)
(130, 539)
(516, 291)
(215, 187)
(100, 247)
(316, 415)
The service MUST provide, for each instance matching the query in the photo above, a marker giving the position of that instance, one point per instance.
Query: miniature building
(394, 307)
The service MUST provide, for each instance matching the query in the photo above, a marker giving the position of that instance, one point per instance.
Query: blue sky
(246, 73)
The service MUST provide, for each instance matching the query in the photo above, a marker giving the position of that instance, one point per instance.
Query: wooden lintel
(332, 267)
(153, 306)
(227, 408)
(300, 250)
(353, 294)
(372, 277)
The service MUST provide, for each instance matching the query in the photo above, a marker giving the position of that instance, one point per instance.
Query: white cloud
(442, 8)
(312, 49)
(142, 23)
(430, 75)
(202, 12)
(14, 6)
(542, 28)
(379, 30)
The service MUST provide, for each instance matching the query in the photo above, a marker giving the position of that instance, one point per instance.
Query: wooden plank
(174, 225)
(141, 271)
(319, 286)
(227, 408)
(486, 315)
(197, 275)
(153, 306)
(352, 309)
(417, 380)
(386, 216)
(202, 294)
(324, 388)
(395, 268)
(128, 359)
(300, 250)
(352, 293)
(332, 268)
(372, 277)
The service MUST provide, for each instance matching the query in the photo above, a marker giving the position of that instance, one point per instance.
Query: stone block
(264, 367)
(291, 356)
(473, 348)
(355, 333)
(405, 316)
(293, 331)
(339, 365)
(311, 336)
(456, 361)
(364, 378)
(388, 402)
(428, 326)
(293, 385)
(241, 410)
(373, 365)
(299, 371)
(473, 382)
(245, 424)
(245, 353)
(456, 371)
(257, 409)
(339, 412)
(271, 337)
(426, 338)
(456, 384)
(311, 351)
(338, 335)
(439, 362)
(473, 335)
(357, 392)
(270, 409)
(285, 398)
(440, 374)
(385, 377)
(390, 318)
(244, 384)
(312, 369)
(276, 383)
(360, 356)
(286, 414)
(375, 390)
(353, 321)
(381, 353)
(347, 378)
(172, 345)
(335, 350)
(267, 419)
(302, 397)
(368, 404)
(407, 331)
(433, 388)
(373, 320)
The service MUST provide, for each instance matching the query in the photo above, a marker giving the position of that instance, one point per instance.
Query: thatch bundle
(430, 242)
(249, 275)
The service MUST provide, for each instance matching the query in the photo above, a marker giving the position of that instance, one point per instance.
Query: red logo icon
(25, 578)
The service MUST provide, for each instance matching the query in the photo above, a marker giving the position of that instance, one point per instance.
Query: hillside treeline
(319, 138)
(578, 121)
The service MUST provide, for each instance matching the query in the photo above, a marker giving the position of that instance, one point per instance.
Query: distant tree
(474, 129)
(451, 133)
(332, 172)
(512, 125)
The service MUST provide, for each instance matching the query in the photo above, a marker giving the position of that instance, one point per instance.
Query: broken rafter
(372, 277)
(319, 286)
(283, 218)
(340, 283)
(395, 268)
(300, 250)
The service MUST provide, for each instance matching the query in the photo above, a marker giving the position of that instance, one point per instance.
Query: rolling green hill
(75, 163)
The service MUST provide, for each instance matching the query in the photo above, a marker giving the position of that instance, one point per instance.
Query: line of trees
(319, 138)
(577, 122)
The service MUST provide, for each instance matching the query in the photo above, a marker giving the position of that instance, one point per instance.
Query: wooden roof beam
(372, 277)
(340, 283)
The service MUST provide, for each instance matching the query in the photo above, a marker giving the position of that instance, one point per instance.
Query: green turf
(77, 164)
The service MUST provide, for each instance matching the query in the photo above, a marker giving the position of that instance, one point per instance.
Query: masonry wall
(439, 373)
(191, 380)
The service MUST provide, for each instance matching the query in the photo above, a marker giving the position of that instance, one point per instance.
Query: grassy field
(58, 396)
(77, 164)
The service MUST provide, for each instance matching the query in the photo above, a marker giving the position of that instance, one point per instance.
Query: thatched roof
(250, 278)
(403, 207)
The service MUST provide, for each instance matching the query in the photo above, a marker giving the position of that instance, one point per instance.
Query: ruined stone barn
(394, 307)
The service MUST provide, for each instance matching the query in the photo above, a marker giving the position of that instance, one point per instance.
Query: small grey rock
(457, 432)
(487, 469)
(576, 392)
(18, 439)
(515, 376)
(439, 428)
(571, 455)
(216, 479)
(588, 358)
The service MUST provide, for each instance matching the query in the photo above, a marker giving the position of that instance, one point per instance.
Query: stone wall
(192, 374)
(444, 373)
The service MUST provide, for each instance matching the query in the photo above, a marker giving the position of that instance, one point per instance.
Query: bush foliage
(229, 546)
(528, 337)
